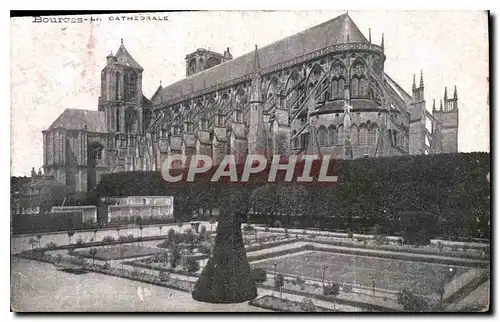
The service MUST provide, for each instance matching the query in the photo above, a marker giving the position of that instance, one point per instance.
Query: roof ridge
(330, 32)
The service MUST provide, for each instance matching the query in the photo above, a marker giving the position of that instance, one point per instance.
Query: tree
(439, 290)
(70, 234)
(141, 228)
(279, 282)
(175, 255)
(203, 233)
(190, 236)
(179, 224)
(160, 227)
(95, 234)
(212, 221)
(39, 238)
(170, 236)
(32, 242)
(227, 276)
(93, 253)
(118, 231)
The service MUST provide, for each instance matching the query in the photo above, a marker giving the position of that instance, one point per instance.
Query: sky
(55, 66)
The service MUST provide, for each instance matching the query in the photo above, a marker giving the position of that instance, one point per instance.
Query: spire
(440, 105)
(445, 93)
(121, 40)
(255, 94)
(370, 35)
(421, 78)
(455, 96)
(382, 44)
(256, 62)
(160, 83)
(433, 104)
(414, 87)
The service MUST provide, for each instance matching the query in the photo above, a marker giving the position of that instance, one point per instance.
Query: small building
(88, 213)
(141, 206)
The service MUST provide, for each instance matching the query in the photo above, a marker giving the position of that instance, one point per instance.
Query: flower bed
(161, 268)
(404, 249)
(100, 243)
(253, 258)
(118, 252)
(284, 305)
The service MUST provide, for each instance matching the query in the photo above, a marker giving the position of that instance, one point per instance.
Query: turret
(418, 92)
(256, 138)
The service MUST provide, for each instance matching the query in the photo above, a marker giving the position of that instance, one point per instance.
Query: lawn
(120, 252)
(388, 273)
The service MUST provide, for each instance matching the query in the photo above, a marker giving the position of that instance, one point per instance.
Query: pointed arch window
(323, 136)
(335, 88)
(117, 119)
(332, 135)
(340, 90)
(363, 87)
(354, 134)
(401, 139)
(363, 134)
(340, 134)
(354, 87)
(372, 134)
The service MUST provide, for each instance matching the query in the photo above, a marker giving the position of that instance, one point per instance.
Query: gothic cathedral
(322, 91)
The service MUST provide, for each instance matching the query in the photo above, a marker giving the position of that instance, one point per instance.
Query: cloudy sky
(55, 66)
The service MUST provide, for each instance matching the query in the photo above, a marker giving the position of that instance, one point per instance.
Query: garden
(116, 252)
(369, 272)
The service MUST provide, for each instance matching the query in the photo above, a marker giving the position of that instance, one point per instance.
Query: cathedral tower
(448, 116)
(121, 93)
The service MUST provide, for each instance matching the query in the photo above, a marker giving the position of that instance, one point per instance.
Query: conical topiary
(227, 277)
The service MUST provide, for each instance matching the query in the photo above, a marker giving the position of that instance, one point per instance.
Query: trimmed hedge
(370, 192)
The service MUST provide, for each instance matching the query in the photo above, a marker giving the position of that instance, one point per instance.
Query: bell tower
(121, 92)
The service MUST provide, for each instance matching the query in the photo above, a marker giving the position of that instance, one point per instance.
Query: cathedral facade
(322, 91)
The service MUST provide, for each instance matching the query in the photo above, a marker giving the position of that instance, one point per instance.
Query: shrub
(175, 256)
(105, 266)
(164, 276)
(279, 281)
(381, 240)
(259, 275)
(266, 229)
(79, 241)
(205, 248)
(332, 289)
(347, 288)
(307, 305)
(350, 234)
(108, 239)
(465, 247)
(51, 245)
(248, 228)
(170, 236)
(299, 281)
(135, 272)
(203, 233)
(191, 265)
(454, 247)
